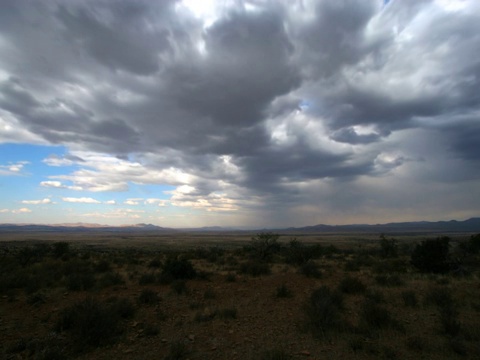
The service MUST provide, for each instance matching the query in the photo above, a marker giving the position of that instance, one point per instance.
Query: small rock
(191, 337)
(304, 353)
(128, 351)
(213, 348)
(164, 340)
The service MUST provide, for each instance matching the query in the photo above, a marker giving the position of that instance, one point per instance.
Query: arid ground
(238, 296)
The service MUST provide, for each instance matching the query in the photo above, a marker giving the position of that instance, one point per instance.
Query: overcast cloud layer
(257, 113)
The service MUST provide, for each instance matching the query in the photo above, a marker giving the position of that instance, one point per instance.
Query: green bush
(147, 279)
(110, 279)
(102, 266)
(79, 281)
(255, 268)
(179, 287)
(474, 243)
(409, 298)
(297, 253)
(90, 322)
(283, 292)
(175, 268)
(449, 320)
(230, 277)
(440, 296)
(28, 255)
(351, 285)
(61, 249)
(122, 306)
(148, 297)
(388, 247)
(227, 313)
(323, 311)
(264, 245)
(275, 354)
(389, 280)
(209, 294)
(155, 263)
(178, 351)
(310, 269)
(432, 256)
(375, 316)
(150, 329)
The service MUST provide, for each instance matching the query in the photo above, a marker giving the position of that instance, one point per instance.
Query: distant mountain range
(82, 227)
(470, 225)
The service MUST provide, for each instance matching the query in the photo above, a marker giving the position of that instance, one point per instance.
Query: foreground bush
(298, 254)
(323, 311)
(175, 268)
(91, 322)
(264, 245)
(388, 247)
(351, 285)
(255, 268)
(431, 256)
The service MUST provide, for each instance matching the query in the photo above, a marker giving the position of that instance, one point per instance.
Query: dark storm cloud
(350, 136)
(335, 37)
(266, 97)
(15, 97)
(274, 167)
(125, 43)
(245, 66)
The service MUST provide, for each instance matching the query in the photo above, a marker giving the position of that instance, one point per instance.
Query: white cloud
(58, 161)
(117, 214)
(102, 172)
(83, 200)
(59, 185)
(52, 184)
(110, 202)
(183, 197)
(21, 211)
(13, 168)
(159, 202)
(133, 201)
(37, 202)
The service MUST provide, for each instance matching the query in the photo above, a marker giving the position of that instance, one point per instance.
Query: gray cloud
(119, 35)
(269, 104)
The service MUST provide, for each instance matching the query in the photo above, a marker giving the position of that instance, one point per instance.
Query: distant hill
(470, 225)
(81, 227)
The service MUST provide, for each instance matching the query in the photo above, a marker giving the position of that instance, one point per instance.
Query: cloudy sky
(239, 113)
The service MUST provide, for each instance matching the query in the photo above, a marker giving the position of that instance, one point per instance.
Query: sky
(261, 113)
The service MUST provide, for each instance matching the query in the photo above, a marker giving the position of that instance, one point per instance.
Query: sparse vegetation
(65, 301)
